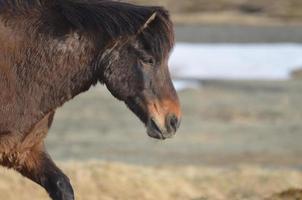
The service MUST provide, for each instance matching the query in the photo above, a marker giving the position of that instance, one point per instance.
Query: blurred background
(237, 66)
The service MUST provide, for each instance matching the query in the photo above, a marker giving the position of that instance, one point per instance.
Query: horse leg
(41, 169)
(29, 158)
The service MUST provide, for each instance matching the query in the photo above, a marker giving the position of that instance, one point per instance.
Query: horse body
(40, 78)
(50, 53)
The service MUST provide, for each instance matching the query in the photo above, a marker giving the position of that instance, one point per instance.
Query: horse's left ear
(150, 19)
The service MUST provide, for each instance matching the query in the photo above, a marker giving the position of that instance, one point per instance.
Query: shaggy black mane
(115, 19)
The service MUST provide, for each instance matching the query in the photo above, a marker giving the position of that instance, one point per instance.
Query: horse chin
(155, 134)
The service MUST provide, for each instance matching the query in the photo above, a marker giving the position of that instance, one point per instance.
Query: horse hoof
(61, 189)
(65, 190)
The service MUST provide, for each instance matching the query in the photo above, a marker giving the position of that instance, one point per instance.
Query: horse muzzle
(164, 118)
(165, 131)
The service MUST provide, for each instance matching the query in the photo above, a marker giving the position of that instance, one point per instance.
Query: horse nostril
(172, 123)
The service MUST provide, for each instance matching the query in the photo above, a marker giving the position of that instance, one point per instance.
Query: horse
(53, 50)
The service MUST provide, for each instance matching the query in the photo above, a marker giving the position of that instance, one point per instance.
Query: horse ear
(150, 19)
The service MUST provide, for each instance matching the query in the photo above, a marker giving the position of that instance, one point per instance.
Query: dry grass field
(116, 181)
(240, 140)
(256, 12)
(224, 123)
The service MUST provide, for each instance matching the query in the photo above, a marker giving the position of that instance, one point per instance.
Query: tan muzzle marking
(159, 110)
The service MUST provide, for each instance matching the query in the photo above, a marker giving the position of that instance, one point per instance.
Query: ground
(239, 140)
(116, 181)
(256, 12)
(224, 123)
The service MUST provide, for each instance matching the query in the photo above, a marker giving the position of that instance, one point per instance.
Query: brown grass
(261, 12)
(291, 194)
(297, 74)
(114, 181)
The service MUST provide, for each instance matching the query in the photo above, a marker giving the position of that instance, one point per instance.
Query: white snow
(235, 61)
(184, 84)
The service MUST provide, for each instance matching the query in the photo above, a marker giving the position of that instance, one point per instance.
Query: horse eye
(149, 61)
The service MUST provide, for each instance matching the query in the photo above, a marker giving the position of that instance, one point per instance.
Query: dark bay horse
(53, 50)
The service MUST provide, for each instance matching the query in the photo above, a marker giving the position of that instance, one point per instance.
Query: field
(256, 12)
(224, 123)
(238, 140)
(115, 181)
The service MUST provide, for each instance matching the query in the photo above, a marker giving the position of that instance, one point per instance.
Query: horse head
(136, 72)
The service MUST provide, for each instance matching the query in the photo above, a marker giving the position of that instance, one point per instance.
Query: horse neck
(67, 69)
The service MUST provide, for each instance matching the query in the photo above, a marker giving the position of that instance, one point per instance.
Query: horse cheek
(118, 83)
